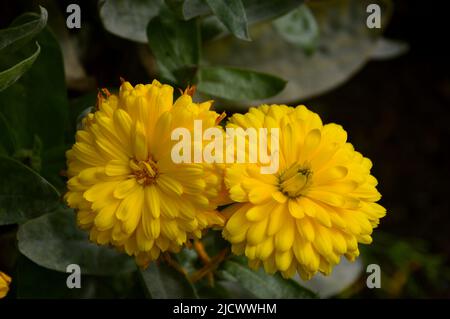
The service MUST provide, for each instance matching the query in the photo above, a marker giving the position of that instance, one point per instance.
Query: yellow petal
(106, 217)
(283, 260)
(259, 212)
(284, 239)
(257, 232)
(305, 228)
(117, 168)
(277, 218)
(140, 142)
(122, 123)
(169, 185)
(124, 188)
(295, 208)
(100, 191)
(152, 200)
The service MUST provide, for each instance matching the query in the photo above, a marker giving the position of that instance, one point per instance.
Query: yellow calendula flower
(122, 181)
(317, 207)
(5, 281)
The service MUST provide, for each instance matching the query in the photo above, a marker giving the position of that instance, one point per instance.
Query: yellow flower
(318, 206)
(5, 281)
(127, 190)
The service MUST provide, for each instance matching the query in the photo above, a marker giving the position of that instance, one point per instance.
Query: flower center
(145, 172)
(294, 181)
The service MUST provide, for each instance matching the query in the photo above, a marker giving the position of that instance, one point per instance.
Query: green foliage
(238, 84)
(128, 19)
(23, 193)
(266, 10)
(176, 46)
(260, 284)
(164, 282)
(19, 34)
(188, 9)
(255, 10)
(35, 282)
(11, 75)
(13, 39)
(232, 14)
(314, 52)
(54, 241)
(39, 112)
(300, 28)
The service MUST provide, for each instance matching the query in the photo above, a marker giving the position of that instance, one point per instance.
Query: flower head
(316, 208)
(5, 281)
(123, 182)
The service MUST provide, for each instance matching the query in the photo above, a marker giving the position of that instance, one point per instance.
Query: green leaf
(300, 28)
(176, 45)
(344, 275)
(238, 84)
(260, 284)
(344, 46)
(16, 36)
(23, 193)
(232, 14)
(164, 282)
(36, 106)
(256, 10)
(129, 19)
(387, 49)
(54, 241)
(11, 75)
(35, 282)
(188, 9)
(265, 10)
(7, 142)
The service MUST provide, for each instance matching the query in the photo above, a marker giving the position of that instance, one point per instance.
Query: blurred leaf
(176, 45)
(188, 9)
(343, 276)
(232, 14)
(36, 282)
(129, 19)
(238, 84)
(389, 49)
(265, 10)
(11, 75)
(261, 284)
(14, 37)
(36, 106)
(164, 282)
(54, 241)
(31, 157)
(344, 46)
(256, 10)
(7, 142)
(23, 193)
(299, 27)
